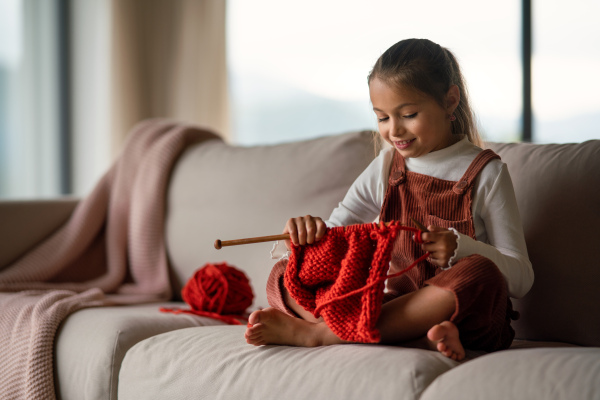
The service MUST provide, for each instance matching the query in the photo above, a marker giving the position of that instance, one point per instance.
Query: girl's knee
(479, 269)
(472, 277)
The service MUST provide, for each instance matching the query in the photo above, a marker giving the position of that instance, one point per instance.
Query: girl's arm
(504, 241)
(363, 200)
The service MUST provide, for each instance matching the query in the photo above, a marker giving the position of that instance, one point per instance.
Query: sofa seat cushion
(217, 363)
(539, 373)
(92, 342)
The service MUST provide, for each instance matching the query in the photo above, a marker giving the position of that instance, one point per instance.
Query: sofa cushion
(558, 193)
(219, 191)
(217, 363)
(92, 342)
(543, 373)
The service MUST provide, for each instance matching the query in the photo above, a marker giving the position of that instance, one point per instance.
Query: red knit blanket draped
(342, 277)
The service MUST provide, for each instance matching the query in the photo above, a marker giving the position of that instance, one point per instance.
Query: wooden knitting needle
(219, 244)
(260, 239)
(419, 225)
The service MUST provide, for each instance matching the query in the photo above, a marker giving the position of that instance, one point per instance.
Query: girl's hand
(441, 243)
(304, 230)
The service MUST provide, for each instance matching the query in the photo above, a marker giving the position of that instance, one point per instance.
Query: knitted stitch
(342, 277)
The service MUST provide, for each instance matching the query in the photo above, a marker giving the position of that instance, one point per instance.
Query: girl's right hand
(304, 230)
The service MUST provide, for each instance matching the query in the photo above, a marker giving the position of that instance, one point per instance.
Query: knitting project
(342, 277)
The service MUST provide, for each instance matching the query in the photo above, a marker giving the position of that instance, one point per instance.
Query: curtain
(168, 60)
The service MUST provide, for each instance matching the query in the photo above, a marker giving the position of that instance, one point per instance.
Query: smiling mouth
(403, 144)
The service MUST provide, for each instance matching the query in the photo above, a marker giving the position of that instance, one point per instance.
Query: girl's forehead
(384, 91)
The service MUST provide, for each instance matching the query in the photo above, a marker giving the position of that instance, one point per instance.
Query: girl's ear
(452, 99)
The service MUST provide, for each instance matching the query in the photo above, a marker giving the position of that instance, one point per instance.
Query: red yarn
(342, 277)
(217, 291)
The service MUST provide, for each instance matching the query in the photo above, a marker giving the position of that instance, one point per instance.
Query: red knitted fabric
(218, 291)
(342, 277)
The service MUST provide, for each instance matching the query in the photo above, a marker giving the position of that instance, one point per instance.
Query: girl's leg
(286, 322)
(422, 319)
(483, 308)
(403, 319)
(410, 316)
(298, 309)
(273, 326)
(422, 315)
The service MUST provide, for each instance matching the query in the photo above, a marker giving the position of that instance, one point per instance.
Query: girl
(434, 172)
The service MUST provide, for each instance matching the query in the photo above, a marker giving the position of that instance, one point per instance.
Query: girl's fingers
(436, 250)
(311, 229)
(303, 230)
(292, 229)
(440, 262)
(315, 229)
(321, 229)
(440, 247)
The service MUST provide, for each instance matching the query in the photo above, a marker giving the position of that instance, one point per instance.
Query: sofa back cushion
(219, 191)
(558, 193)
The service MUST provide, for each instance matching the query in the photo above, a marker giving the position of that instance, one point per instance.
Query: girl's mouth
(403, 144)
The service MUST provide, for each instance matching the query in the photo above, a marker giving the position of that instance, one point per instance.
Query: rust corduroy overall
(483, 308)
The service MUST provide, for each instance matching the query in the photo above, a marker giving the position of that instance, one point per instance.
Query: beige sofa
(219, 191)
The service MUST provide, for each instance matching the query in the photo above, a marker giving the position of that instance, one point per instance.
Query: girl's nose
(395, 128)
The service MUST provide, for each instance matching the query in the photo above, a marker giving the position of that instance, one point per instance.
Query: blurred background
(75, 75)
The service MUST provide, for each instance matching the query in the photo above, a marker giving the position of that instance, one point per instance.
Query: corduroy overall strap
(473, 170)
(398, 170)
(413, 195)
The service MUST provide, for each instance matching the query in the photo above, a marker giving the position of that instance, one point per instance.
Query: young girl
(435, 173)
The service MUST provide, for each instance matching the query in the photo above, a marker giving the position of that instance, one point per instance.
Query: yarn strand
(368, 286)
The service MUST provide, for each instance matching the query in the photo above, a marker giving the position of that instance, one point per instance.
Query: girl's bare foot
(446, 340)
(271, 326)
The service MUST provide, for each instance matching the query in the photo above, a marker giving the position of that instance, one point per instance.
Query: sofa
(221, 191)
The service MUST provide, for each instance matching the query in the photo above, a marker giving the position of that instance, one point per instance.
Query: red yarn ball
(220, 289)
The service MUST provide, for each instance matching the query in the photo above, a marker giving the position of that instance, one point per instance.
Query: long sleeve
(502, 239)
(362, 203)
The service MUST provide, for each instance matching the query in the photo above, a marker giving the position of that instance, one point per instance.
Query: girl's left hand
(441, 243)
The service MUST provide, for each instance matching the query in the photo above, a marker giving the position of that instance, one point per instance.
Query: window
(565, 65)
(298, 70)
(29, 106)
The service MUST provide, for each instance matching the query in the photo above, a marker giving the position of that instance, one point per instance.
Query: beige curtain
(168, 60)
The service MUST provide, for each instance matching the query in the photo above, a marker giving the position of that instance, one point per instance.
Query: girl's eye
(382, 119)
(411, 115)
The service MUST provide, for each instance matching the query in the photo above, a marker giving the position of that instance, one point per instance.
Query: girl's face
(414, 123)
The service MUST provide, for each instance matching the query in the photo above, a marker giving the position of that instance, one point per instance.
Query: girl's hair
(432, 70)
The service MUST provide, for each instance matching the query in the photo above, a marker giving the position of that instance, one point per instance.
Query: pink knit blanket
(111, 251)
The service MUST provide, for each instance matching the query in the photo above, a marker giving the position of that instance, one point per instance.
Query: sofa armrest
(24, 223)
